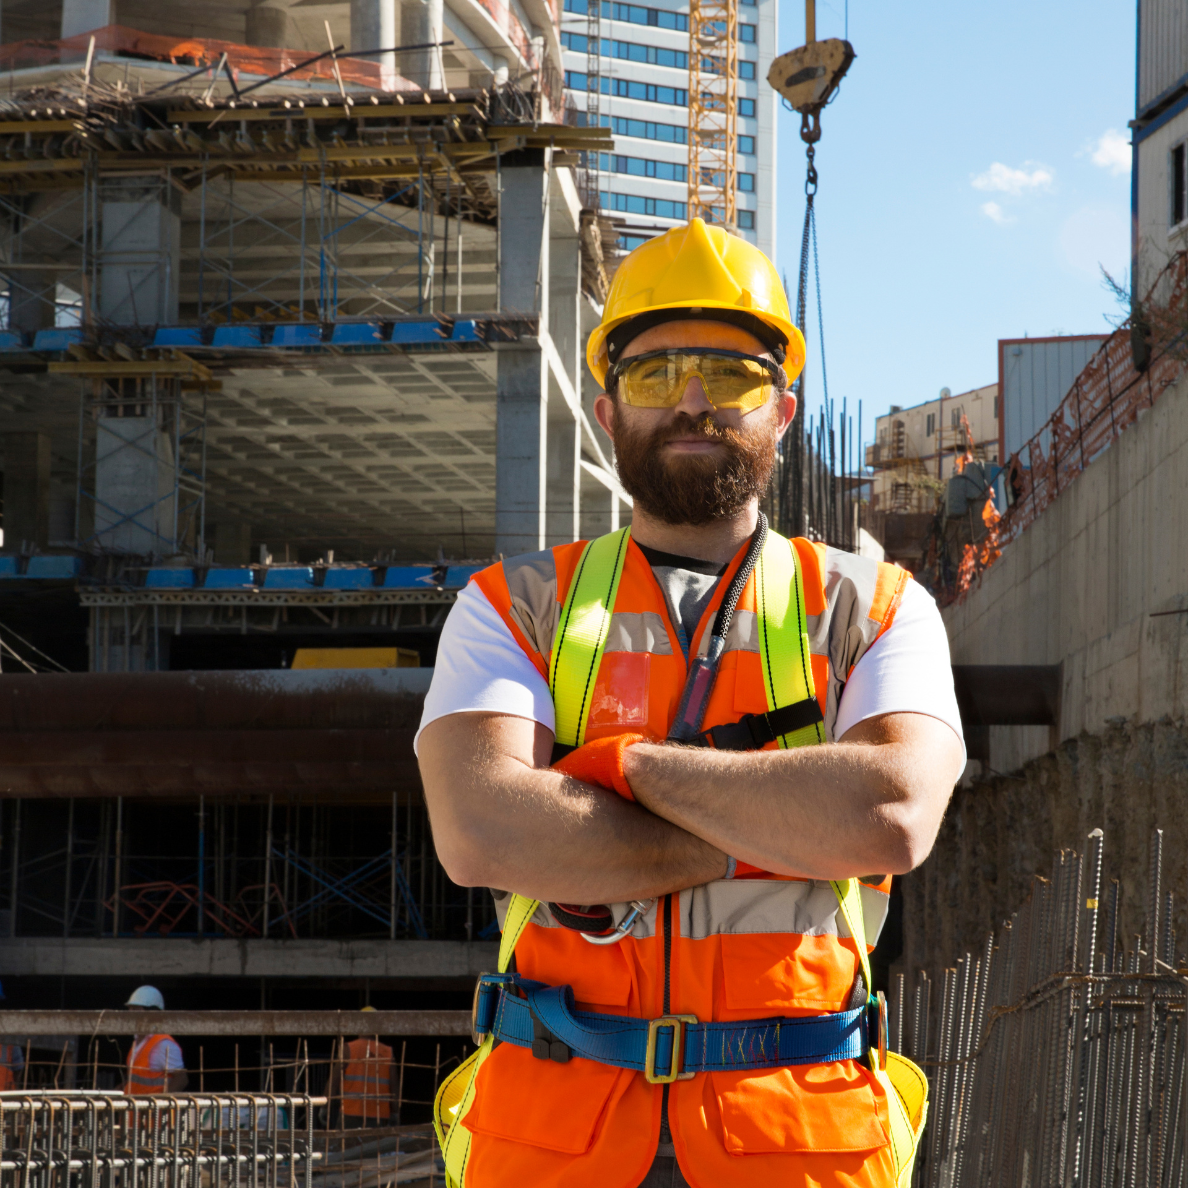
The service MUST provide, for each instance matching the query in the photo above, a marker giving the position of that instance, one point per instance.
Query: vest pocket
(780, 973)
(559, 1107)
(809, 1107)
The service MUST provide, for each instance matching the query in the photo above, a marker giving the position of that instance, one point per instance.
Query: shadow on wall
(1003, 829)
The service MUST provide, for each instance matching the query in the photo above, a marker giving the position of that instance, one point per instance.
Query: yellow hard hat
(367, 1008)
(690, 271)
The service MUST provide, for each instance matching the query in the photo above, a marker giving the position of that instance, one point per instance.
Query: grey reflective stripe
(643, 631)
(532, 584)
(746, 906)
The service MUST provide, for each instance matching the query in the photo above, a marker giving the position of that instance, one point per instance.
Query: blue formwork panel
(299, 577)
(347, 579)
(227, 579)
(458, 575)
(303, 334)
(10, 567)
(52, 567)
(408, 577)
(58, 339)
(12, 340)
(238, 336)
(169, 579)
(358, 334)
(178, 336)
(417, 333)
(466, 332)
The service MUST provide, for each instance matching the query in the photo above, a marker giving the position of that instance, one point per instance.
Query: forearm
(859, 807)
(501, 822)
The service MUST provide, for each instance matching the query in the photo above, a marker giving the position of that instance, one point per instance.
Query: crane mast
(713, 110)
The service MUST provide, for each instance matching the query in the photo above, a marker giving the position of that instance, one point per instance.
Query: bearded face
(695, 488)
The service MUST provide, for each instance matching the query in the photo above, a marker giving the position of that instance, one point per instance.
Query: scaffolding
(713, 110)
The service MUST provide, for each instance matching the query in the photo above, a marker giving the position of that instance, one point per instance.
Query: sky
(974, 179)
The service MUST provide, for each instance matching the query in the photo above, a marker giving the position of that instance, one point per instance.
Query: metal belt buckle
(485, 989)
(677, 1023)
(882, 1030)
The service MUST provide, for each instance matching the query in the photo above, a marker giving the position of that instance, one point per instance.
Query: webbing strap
(519, 912)
(581, 634)
(623, 1041)
(783, 635)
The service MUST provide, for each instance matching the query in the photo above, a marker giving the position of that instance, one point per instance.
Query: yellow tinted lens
(734, 383)
(728, 383)
(653, 383)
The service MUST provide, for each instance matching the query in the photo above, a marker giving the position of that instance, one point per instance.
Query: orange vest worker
(367, 1081)
(757, 946)
(141, 1076)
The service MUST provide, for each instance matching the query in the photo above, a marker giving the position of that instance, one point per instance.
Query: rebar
(1056, 1063)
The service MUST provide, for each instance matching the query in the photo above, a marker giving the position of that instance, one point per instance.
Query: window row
(656, 208)
(642, 167)
(623, 88)
(636, 14)
(653, 130)
(629, 51)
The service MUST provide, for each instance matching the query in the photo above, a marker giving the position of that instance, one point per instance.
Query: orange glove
(601, 762)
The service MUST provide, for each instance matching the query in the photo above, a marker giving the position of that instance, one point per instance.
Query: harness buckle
(485, 1004)
(677, 1023)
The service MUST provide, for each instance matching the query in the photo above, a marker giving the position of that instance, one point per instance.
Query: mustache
(683, 425)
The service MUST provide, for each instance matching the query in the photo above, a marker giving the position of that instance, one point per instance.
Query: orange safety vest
(141, 1076)
(757, 946)
(7, 1073)
(367, 1080)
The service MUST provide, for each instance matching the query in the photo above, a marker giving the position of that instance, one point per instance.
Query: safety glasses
(731, 379)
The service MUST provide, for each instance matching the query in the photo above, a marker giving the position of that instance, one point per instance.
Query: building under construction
(291, 320)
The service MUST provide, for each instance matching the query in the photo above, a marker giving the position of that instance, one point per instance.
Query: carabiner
(638, 908)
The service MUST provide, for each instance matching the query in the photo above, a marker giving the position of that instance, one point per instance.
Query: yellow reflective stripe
(783, 635)
(581, 634)
(457, 1090)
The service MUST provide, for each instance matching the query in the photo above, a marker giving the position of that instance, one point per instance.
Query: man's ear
(604, 414)
(786, 412)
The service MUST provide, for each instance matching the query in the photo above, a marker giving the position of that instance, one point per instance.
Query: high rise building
(643, 74)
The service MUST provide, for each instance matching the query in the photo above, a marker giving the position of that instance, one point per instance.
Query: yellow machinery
(356, 658)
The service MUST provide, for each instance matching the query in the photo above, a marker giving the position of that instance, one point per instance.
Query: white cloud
(1112, 152)
(1002, 179)
(996, 214)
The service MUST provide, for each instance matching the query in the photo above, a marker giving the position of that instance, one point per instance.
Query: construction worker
(12, 1061)
(621, 733)
(155, 1063)
(365, 1077)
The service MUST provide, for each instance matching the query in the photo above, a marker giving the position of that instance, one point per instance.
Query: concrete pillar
(375, 24)
(563, 496)
(134, 486)
(84, 16)
(140, 253)
(26, 490)
(421, 24)
(267, 24)
(521, 427)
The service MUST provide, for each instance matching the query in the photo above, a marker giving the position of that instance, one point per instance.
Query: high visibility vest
(367, 1080)
(757, 946)
(141, 1077)
(8, 1055)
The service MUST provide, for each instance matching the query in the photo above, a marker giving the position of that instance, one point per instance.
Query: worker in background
(364, 1078)
(12, 1061)
(626, 735)
(155, 1063)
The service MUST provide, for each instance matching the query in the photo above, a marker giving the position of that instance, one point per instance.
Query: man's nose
(694, 402)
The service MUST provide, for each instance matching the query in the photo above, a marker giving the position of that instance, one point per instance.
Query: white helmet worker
(147, 998)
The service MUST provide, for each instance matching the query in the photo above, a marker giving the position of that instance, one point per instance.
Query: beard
(695, 488)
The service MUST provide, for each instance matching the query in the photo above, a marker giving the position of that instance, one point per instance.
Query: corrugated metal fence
(1056, 1055)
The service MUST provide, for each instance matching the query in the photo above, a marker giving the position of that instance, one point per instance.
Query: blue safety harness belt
(672, 1047)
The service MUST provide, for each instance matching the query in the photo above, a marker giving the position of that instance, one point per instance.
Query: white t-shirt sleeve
(905, 671)
(482, 669)
(167, 1057)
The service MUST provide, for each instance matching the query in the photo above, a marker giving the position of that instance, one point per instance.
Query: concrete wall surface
(1085, 586)
(999, 833)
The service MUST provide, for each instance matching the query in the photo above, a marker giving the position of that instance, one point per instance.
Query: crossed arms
(501, 818)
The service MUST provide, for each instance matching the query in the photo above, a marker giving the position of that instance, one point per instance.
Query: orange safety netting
(1104, 401)
(255, 61)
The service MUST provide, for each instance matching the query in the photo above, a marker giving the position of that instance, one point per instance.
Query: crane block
(808, 77)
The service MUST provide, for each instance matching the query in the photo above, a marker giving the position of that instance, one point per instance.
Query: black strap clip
(752, 732)
(545, 1045)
